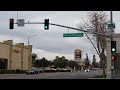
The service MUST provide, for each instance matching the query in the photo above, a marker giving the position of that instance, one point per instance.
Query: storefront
(16, 56)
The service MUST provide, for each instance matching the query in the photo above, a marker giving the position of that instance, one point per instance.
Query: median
(97, 77)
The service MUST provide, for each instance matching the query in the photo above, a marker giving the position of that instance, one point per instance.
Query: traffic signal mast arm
(68, 27)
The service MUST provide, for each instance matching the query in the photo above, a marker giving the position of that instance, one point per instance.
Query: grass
(98, 77)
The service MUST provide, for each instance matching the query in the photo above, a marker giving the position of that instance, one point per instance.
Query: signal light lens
(113, 49)
(11, 20)
(113, 57)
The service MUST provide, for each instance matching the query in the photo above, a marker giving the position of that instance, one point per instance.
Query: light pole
(29, 38)
(112, 62)
(28, 47)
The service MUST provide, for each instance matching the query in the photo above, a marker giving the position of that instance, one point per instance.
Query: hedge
(17, 71)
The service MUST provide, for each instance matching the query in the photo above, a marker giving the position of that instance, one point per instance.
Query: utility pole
(112, 61)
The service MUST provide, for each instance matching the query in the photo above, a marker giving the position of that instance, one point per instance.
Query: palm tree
(34, 56)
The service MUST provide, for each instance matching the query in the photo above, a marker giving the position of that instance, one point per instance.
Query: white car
(87, 70)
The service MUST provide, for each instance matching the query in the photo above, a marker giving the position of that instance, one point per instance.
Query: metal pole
(67, 27)
(28, 40)
(112, 62)
(92, 43)
(28, 45)
(28, 52)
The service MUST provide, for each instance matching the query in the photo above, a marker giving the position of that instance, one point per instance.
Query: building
(16, 56)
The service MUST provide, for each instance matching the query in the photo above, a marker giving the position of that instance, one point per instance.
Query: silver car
(31, 71)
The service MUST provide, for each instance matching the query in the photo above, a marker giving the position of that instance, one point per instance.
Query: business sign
(16, 51)
(89, 31)
(77, 54)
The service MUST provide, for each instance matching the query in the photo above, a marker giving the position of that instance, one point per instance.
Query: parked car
(41, 70)
(31, 71)
(50, 70)
(61, 69)
(36, 70)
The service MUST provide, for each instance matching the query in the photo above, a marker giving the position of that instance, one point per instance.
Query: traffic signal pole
(112, 61)
(109, 36)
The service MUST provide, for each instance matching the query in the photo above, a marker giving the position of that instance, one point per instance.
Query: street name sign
(73, 35)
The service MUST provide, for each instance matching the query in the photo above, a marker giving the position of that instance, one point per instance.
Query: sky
(50, 43)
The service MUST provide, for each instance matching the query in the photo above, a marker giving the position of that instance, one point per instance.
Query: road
(57, 75)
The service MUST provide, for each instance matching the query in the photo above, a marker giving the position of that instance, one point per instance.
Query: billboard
(77, 54)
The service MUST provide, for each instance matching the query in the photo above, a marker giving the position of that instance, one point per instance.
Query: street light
(28, 46)
(29, 38)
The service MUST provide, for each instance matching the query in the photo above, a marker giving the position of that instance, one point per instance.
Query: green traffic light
(113, 49)
(46, 27)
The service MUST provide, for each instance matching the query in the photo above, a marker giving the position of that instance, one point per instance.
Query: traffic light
(113, 57)
(113, 46)
(11, 23)
(46, 25)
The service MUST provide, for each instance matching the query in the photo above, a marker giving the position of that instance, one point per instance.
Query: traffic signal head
(46, 25)
(11, 23)
(113, 46)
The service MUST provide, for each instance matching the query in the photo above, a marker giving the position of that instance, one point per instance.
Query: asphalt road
(57, 75)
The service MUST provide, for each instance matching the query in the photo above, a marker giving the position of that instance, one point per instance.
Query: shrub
(17, 71)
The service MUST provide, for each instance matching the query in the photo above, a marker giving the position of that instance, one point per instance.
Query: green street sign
(73, 35)
(111, 25)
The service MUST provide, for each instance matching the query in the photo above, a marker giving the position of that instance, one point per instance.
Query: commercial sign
(16, 51)
(77, 54)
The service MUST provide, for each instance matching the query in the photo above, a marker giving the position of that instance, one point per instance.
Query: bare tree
(97, 21)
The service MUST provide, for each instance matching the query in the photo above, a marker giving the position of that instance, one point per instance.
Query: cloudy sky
(50, 43)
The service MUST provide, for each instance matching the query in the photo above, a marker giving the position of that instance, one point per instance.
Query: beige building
(16, 56)
(116, 38)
